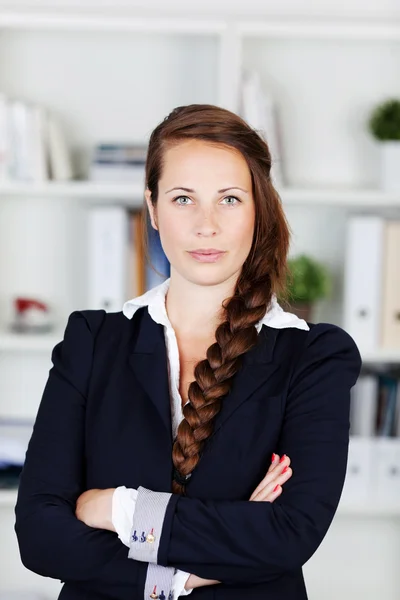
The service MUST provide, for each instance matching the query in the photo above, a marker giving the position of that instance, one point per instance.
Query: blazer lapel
(148, 361)
(257, 367)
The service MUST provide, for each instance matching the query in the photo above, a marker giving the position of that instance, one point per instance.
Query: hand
(194, 582)
(264, 492)
(94, 508)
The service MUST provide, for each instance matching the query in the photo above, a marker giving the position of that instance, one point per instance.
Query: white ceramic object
(390, 166)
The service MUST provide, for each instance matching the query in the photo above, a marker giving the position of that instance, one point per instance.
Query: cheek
(242, 232)
(170, 234)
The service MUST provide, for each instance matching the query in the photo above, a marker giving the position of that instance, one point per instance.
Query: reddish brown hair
(264, 272)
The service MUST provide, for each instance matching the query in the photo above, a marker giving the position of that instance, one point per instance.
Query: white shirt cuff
(123, 507)
(178, 584)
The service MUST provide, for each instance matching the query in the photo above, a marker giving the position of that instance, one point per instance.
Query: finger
(271, 496)
(274, 462)
(274, 470)
(265, 492)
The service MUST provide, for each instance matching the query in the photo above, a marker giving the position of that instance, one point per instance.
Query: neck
(196, 309)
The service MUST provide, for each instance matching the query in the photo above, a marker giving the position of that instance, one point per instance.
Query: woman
(149, 474)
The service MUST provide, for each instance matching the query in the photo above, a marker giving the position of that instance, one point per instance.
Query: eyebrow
(219, 191)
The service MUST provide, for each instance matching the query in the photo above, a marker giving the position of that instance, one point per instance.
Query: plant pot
(302, 310)
(390, 166)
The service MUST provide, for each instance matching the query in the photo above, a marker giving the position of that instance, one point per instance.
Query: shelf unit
(44, 343)
(132, 194)
(8, 499)
(224, 45)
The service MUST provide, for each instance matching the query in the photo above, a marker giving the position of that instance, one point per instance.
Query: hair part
(263, 274)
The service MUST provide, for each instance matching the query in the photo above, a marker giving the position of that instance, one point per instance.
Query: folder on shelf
(363, 279)
(364, 403)
(387, 471)
(391, 286)
(108, 257)
(359, 472)
(4, 138)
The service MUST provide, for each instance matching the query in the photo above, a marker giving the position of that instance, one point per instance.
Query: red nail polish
(273, 457)
(275, 488)
(283, 458)
(285, 469)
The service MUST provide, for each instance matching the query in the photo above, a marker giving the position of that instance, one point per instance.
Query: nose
(206, 223)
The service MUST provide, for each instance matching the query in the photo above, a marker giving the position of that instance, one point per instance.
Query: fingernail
(285, 469)
(275, 488)
(283, 458)
(273, 457)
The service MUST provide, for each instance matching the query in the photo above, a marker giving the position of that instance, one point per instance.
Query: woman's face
(200, 207)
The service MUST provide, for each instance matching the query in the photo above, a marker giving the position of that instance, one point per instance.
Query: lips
(206, 251)
(208, 255)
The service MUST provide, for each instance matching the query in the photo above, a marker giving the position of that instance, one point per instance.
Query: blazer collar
(148, 360)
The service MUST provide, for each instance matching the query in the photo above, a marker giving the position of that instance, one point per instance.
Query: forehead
(196, 160)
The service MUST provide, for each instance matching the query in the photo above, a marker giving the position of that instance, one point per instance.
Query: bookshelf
(8, 499)
(14, 342)
(151, 64)
(131, 194)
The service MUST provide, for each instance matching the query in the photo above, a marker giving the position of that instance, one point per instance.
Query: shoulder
(323, 345)
(330, 350)
(88, 328)
(326, 337)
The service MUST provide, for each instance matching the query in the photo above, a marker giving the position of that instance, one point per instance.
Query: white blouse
(123, 504)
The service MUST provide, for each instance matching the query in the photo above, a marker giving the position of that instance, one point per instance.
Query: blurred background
(82, 85)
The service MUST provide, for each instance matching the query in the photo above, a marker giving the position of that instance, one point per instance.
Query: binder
(359, 473)
(4, 138)
(108, 253)
(391, 287)
(364, 403)
(387, 472)
(363, 276)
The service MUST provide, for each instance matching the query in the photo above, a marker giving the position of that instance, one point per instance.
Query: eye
(179, 198)
(234, 198)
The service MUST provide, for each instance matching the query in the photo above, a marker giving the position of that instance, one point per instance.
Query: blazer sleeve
(249, 542)
(52, 541)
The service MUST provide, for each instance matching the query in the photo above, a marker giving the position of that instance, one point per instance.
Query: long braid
(213, 375)
(263, 273)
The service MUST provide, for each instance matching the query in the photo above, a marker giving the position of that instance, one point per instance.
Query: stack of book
(118, 162)
(32, 145)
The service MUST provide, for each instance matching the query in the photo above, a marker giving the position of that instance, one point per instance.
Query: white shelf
(381, 356)
(46, 342)
(374, 510)
(132, 194)
(130, 23)
(339, 197)
(317, 28)
(8, 499)
(10, 342)
(310, 27)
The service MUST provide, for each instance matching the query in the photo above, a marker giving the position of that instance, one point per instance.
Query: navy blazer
(104, 420)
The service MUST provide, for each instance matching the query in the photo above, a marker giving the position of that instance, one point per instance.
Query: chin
(208, 275)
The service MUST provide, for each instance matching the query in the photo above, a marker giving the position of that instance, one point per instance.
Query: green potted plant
(384, 125)
(308, 281)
